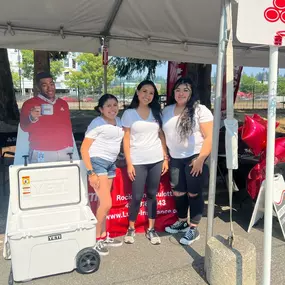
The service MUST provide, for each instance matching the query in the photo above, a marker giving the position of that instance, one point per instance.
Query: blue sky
(162, 70)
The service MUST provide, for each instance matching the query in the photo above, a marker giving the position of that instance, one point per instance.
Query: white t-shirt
(191, 146)
(107, 138)
(145, 144)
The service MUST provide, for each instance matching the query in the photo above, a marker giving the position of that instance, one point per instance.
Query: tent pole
(105, 78)
(217, 122)
(269, 179)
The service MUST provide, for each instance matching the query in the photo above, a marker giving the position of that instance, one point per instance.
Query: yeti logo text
(49, 187)
(54, 237)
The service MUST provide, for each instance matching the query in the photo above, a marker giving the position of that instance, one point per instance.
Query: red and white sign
(118, 221)
(261, 22)
(105, 56)
(175, 71)
(278, 203)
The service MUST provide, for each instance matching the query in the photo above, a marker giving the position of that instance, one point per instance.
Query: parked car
(70, 98)
(88, 98)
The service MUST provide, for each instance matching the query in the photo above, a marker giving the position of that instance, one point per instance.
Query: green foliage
(56, 68)
(16, 79)
(76, 79)
(163, 89)
(119, 90)
(281, 86)
(250, 84)
(91, 74)
(27, 65)
(127, 66)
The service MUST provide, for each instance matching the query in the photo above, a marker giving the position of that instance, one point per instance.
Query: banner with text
(117, 220)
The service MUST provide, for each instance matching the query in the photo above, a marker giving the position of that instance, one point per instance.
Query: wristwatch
(90, 172)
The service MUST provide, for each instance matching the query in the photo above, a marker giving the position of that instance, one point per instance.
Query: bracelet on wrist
(90, 173)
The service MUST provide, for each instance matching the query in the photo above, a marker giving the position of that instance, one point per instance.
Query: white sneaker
(130, 236)
(152, 235)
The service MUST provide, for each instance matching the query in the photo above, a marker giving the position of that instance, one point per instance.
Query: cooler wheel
(87, 261)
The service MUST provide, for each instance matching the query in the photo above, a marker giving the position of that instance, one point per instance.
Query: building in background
(26, 85)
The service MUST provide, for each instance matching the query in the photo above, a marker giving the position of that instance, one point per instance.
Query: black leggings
(182, 181)
(149, 175)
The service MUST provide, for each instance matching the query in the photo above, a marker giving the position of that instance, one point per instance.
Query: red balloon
(255, 178)
(279, 153)
(254, 134)
(280, 149)
(262, 121)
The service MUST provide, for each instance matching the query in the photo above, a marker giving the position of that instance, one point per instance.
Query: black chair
(6, 140)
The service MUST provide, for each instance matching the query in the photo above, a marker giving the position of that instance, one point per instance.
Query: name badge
(47, 109)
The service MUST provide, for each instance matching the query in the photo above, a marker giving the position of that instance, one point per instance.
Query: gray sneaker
(191, 235)
(130, 236)
(101, 248)
(111, 241)
(152, 235)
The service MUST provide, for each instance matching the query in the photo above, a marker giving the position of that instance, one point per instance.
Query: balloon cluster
(254, 134)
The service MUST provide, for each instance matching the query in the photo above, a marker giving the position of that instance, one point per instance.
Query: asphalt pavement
(168, 263)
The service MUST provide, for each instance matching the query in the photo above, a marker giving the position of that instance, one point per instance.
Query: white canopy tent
(177, 30)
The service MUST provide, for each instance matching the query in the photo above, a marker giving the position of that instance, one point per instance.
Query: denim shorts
(103, 167)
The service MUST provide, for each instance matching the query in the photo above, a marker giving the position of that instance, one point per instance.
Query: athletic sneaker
(111, 241)
(191, 235)
(130, 236)
(177, 227)
(153, 236)
(101, 248)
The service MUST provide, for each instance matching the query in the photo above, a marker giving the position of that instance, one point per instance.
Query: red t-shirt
(50, 132)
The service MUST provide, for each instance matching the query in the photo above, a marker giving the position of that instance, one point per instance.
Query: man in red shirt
(47, 120)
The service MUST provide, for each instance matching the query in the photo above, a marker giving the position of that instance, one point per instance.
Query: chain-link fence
(254, 101)
(85, 100)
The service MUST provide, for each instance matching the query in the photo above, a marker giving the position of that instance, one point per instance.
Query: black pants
(146, 175)
(182, 181)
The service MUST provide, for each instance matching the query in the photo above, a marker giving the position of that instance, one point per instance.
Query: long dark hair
(154, 104)
(103, 100)
(186, 122)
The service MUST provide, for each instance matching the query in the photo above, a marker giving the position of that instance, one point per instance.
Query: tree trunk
(41, 63)
(8, 105)
(201, 75)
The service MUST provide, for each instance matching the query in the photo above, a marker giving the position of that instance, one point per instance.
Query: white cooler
(51, 228)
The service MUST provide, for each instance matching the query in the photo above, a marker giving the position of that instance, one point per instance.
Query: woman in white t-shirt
(146, 155)
(188, 128)
(99, 151)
